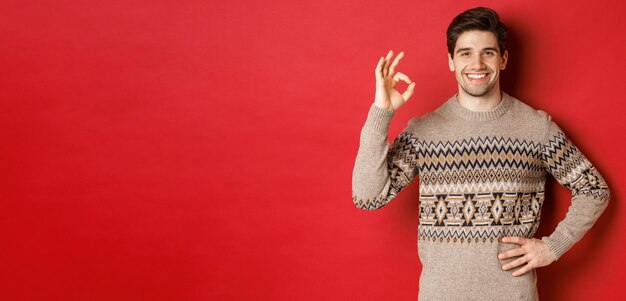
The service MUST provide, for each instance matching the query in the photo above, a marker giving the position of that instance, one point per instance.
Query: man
(482, 159)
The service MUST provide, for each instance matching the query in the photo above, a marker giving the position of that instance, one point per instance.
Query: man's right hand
(387, 97)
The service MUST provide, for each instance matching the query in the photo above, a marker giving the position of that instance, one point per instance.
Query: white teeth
(476, 76)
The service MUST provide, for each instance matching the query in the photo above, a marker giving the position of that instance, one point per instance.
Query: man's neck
(480, 103)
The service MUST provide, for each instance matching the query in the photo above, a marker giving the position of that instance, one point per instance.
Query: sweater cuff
(557, 243)
(378, 120)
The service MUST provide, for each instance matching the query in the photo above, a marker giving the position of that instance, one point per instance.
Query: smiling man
(482, 159)
(477, 64)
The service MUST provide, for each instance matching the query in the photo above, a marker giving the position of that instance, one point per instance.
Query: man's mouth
(477, 77)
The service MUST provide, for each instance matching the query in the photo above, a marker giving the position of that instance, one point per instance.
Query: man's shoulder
(430, 118)
(426, 120)
(521, 107)
(522, 110)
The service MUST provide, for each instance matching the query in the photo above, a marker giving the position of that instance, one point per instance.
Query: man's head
(476, 51)
(479, 18)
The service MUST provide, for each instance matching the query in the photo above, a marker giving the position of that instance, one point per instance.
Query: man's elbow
(606, 196)
(601, 197)
(369, 204)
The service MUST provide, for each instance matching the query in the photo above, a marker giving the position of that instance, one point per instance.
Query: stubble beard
(478, 91)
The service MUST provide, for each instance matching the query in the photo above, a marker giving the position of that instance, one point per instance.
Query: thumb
(409, 91)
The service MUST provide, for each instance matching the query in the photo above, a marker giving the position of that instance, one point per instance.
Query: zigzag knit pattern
(470, 189)
(572, 169)
(402, 165)
(499, 167)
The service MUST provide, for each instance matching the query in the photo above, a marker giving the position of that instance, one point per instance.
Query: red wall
(203, 150)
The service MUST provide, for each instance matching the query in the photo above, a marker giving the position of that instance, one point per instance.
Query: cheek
(496, 65)
(459, 75)
(457, 68)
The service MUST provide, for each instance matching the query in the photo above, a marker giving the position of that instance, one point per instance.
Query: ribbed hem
(557, 243)
(378, 119)
(455, 107)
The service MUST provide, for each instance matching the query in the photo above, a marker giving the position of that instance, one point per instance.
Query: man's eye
(465, 53)
(490, 53)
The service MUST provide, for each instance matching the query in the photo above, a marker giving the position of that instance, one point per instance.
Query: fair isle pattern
(481, 189)
(470, 189)
(479, 217)
(572, 169)
(402, 164)
(480, 164)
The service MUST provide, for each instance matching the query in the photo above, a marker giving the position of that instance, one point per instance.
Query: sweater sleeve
(382, 170)
(590, 193)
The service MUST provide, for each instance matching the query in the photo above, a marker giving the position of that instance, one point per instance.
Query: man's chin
(478, 92)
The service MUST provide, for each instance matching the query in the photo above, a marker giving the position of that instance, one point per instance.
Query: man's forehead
(476, 39)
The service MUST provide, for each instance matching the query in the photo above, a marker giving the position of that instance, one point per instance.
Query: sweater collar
(455, 107)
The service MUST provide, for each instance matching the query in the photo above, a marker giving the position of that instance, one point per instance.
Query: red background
(203, 150)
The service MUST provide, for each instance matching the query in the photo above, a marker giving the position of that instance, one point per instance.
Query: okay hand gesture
(387, 97)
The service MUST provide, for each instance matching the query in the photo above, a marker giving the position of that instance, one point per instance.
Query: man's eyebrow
(484, 49)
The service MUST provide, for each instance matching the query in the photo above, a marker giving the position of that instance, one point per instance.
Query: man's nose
(477, 62)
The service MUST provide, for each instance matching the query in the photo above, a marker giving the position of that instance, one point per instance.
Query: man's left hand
(535, 253)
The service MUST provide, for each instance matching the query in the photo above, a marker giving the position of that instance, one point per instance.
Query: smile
(476, 77)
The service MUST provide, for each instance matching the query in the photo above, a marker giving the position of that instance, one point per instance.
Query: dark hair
(479, 18)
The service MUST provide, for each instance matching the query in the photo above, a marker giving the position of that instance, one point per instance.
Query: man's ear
(450, 63)
(505, 58)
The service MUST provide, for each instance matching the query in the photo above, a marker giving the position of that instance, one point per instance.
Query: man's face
(477, 62)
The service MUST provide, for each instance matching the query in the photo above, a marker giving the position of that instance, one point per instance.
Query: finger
(515, 239)
(523, 270)
(392, 68)
(409, 91)
(515, 263)
(401, 76)
(387, 60)
(379, 69)
(511, 253)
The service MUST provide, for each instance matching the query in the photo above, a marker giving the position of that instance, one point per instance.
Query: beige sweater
(481, 177)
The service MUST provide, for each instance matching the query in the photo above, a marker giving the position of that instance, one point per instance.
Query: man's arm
(381, 170)
(590, 193)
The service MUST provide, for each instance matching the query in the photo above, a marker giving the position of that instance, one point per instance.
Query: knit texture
(481, 177)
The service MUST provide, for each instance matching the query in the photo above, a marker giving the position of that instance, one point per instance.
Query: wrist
(378, 120)
(384, 107)
(552, 256)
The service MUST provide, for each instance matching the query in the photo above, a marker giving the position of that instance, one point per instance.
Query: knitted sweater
(481, 177)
